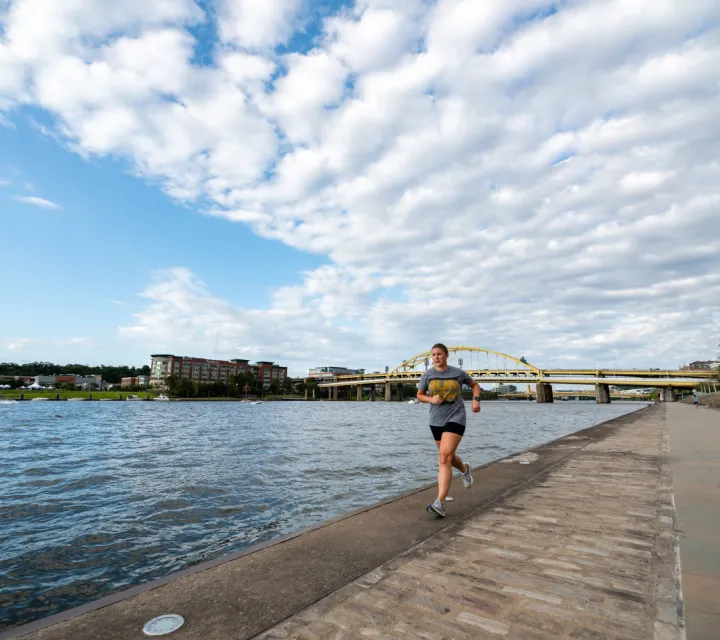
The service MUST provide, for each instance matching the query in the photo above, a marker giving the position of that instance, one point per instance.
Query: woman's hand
(436, 400)
(476, 406)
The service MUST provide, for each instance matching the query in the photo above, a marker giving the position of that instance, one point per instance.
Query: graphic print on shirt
(448, 390)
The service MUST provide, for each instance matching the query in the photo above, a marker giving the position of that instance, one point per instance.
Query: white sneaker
(436, 508)
(467, 476)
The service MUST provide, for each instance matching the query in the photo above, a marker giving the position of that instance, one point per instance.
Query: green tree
(172, 382)
(288, 385)
(247, 378)
(312, 387)
(274, 386)
(187, 388)
(111, 374)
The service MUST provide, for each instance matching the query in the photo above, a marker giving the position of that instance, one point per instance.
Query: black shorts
(450, 427)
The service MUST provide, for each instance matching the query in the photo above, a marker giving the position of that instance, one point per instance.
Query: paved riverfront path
(587, 552)
(580, 543)
(695, 459)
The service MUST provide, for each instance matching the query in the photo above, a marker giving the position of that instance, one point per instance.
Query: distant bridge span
(511, 370)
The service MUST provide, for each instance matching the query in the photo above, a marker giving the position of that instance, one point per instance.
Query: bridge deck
(586, 381)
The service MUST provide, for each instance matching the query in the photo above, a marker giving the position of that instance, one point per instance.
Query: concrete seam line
(680, 599)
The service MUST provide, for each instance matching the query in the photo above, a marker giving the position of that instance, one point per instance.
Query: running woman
(441, 387)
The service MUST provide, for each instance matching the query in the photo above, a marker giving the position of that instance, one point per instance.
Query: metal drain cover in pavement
(162, 625)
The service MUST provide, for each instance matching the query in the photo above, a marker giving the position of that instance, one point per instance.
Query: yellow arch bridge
(488, 366)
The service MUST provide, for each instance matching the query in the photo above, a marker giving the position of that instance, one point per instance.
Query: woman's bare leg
(447, 459)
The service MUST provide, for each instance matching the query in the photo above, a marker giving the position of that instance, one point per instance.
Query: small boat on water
(133, 398)
(76, 399)
(162, 398)
(413, 401)
(40, 399)
(8, 401)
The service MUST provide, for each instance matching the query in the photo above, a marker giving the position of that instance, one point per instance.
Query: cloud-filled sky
(346, 183)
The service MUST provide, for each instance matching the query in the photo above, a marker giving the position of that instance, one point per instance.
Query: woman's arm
(422, 397)
(476, 394)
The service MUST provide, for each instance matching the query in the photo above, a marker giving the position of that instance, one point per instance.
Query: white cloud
(529, 176)
(644, 180)
(313, 82)
(257, 25)
(374, 38)
(38, 202)
(17, 344)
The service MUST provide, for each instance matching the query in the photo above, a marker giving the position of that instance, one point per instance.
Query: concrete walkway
(695, 459)
(590, 551)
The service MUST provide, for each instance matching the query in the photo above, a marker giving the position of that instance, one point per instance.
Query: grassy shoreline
(122, 395)
(66, 395)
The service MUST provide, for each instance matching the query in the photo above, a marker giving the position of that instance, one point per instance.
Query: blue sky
(349, 182)
(82, 267)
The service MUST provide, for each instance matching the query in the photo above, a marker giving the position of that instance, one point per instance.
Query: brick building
(204, 370)
(137, 381)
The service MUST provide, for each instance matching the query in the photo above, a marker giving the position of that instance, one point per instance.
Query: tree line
(109, 373)
(237, 387)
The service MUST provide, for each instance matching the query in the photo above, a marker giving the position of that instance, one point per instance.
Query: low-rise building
(89, 382)
(135, 381)
(80, 382)
(703, 365)
(505, 388)
(25, 379)
(331, 372)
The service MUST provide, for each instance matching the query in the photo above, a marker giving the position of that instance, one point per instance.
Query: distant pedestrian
(696, 400)
(441, 387)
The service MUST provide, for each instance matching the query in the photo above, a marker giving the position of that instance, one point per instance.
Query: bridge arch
(420, 358)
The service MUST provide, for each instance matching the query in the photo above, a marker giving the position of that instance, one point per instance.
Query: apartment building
(205, 370)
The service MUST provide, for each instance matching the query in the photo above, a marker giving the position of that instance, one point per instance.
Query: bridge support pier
(388, 392)
(602, 393)
(359, 392)
(667, 394)
(334, 393)
(544, 392)
(372, 393)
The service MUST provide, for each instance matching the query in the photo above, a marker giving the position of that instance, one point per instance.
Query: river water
(98, 496)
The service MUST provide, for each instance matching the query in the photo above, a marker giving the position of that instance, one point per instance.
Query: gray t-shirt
(447, 384)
